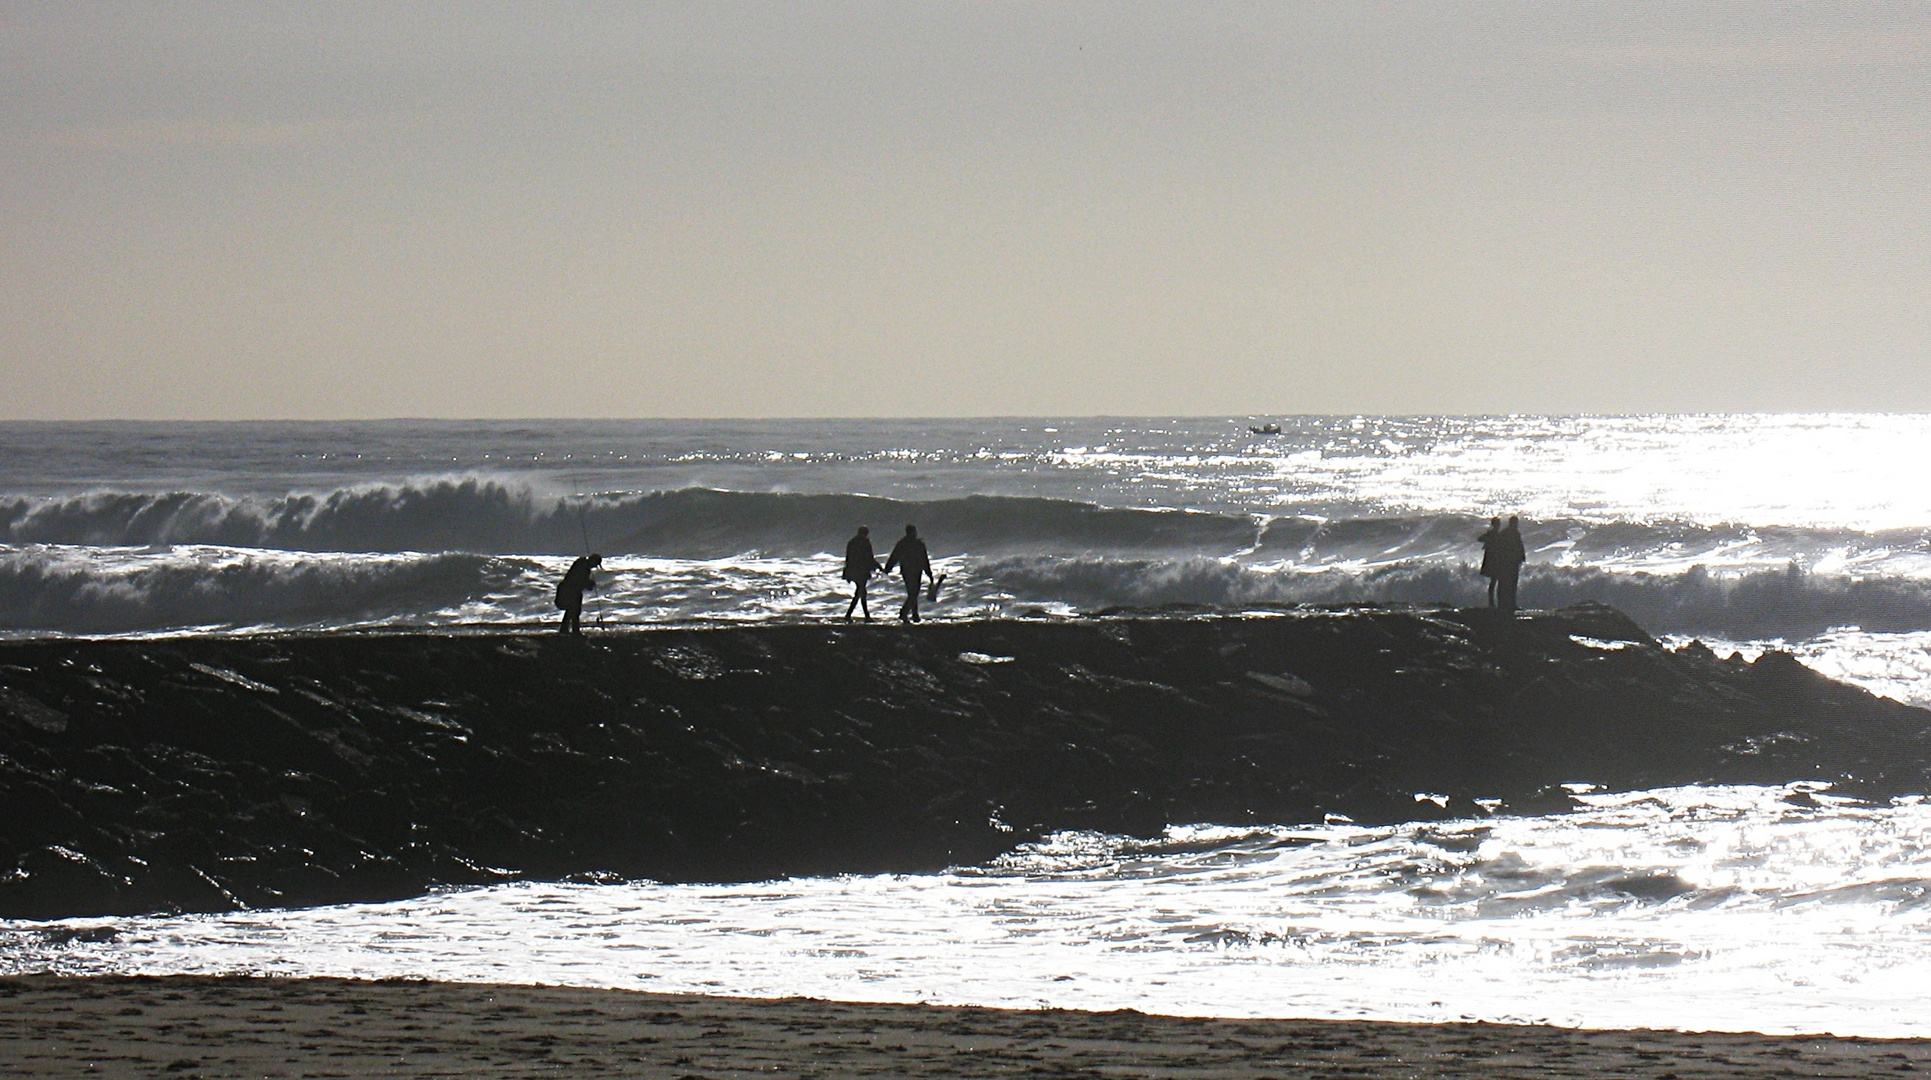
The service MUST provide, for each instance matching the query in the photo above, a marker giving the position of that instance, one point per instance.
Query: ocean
(1778, 909)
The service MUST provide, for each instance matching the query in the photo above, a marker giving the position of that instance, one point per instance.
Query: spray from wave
(95, 591)
(75, 591)
(1774, 603)
(494, 516)
(497, 515)
(482, 547)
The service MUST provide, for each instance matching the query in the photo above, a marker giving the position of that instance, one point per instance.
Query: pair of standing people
(908, 555)
(1502, 557)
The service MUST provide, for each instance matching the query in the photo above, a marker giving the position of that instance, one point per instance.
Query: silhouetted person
(1509, 557)
(913, 563)
(1489, 540)
(860, 565)
(570, 591)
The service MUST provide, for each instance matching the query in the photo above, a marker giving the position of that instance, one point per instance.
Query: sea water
(1724, 908)
(1695, 908)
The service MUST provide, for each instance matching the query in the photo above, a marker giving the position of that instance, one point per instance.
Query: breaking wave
(83, 591)
(485, 548)
(1756, 604)
(493, 516)
(68, 590)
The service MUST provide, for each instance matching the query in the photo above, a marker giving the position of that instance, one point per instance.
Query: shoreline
(220, 1027)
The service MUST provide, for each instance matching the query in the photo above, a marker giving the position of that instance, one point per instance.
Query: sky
(264, 210)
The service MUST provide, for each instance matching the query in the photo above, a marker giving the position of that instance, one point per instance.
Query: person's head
(1514, 521)
(911, 530)
(1495, 523)
(864, 530)
(596, 559)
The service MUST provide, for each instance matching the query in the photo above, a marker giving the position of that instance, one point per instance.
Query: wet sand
(242, 1027)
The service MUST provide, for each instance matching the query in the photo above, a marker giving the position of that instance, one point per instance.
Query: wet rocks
(215, 773)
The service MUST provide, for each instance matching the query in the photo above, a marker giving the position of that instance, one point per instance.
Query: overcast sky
(904, 208)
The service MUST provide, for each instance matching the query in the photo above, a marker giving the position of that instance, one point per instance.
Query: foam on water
(1744, 526)
(215, 589)
(1758, 909)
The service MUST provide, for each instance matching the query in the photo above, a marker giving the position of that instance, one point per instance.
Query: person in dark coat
(1489, 539)
(860, 565)
(910, 556)
(570, 591)
(1509, 555)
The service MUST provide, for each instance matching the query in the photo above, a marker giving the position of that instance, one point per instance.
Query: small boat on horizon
(1265, 429)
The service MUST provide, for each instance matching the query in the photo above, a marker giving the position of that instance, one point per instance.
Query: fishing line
(583, 532)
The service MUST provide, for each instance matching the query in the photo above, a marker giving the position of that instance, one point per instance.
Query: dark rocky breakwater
(216, 773)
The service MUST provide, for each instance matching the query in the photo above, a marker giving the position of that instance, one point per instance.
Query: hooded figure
(570, 591)
(860, 565)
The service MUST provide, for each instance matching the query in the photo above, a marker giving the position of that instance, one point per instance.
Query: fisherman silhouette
(910, 556)
(1489, 539)
(570, 591)
(1509, 557)
(860, 565)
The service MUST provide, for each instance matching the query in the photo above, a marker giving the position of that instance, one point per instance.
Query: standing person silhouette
(1489, 541)
(910, 556)
(1509, 555)
(570, 592)
(860, 565)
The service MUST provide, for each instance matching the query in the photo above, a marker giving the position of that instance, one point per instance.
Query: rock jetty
(214, 773)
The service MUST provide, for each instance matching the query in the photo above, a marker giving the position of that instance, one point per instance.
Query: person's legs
(1491, 592)
(858, 590)
(1507, 589)
(864, 602)
(572, 613)
(909, 611)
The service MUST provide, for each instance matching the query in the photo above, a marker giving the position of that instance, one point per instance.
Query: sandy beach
(248, 1027)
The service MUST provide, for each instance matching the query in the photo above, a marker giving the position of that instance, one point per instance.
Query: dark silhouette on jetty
(570, 591)
(1503, 554)
(861, 564)
(914, 565)
(1490, 541)
(1509, 557)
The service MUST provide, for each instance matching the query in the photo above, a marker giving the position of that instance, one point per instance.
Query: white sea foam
(208, 588)
(1744, 526)
(1760, 909)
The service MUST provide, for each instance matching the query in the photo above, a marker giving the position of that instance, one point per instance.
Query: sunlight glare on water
(1838, 470)
(1848, 471)
(1697, 908)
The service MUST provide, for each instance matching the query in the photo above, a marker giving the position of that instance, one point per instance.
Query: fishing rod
(583, 532)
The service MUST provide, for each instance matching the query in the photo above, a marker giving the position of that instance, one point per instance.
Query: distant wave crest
(494, 516)
(497, 515)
